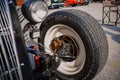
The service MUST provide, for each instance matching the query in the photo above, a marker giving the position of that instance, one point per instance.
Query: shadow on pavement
(115, 33)
(111, 27)
(115, 37)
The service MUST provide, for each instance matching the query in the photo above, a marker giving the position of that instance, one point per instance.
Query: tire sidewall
(83, 32)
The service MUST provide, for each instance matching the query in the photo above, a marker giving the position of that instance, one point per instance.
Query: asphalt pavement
(111, 70)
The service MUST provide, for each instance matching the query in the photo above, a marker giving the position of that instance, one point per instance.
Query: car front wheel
(78, 40)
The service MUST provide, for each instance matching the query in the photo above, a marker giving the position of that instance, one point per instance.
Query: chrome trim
(9, 62)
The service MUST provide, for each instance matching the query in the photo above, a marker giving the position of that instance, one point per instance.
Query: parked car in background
(76, 2)
(55, 3)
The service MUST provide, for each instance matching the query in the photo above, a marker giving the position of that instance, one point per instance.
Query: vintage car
(54, 3)
(71, 44)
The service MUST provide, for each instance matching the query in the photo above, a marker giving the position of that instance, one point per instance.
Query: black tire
(101, 1)
(86, 3)
(56, 6)
(92, 36)
(73, 5)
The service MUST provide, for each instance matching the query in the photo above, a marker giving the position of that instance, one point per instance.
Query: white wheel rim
(75, 66)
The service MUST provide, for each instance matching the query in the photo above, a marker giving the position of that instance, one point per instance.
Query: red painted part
(72, 2)
(36, 58)
(19, 2)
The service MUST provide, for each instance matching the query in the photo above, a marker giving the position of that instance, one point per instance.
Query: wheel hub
(65, 47)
